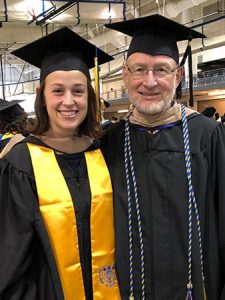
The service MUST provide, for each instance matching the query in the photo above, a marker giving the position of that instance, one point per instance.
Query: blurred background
(22, 21)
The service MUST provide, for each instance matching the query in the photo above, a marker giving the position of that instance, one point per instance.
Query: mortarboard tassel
(191, 100)
(96, 81)
(189, 292)
(179, 91)
(184, 57)
(187, 54)
(179, 88)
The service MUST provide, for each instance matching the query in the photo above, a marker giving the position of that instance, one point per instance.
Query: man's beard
(151, 108)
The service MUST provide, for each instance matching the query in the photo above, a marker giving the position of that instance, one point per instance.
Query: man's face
(150, 91)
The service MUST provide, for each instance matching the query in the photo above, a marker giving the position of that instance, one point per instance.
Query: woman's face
(66, 100)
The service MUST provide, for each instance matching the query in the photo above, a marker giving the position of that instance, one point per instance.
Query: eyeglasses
(158, 72)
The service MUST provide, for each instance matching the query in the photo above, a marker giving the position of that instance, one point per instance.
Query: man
(167, 164)
(103, 106)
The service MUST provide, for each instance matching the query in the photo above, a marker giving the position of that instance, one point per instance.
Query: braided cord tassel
(191, 201)
(200, 242)
(188, 171)
(189, 293)
(129, 211)
(131, 165)
(139, 219)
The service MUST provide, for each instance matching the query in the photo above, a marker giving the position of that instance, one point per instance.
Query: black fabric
(4, 104)
(209, 112)
(27, 266)
(163, 194)
(3, 143)
(63, 61)
(62, 50)
(154, 44)
(155, 35)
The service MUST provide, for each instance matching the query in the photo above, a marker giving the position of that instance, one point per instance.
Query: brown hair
(14, 120)
(90, 126)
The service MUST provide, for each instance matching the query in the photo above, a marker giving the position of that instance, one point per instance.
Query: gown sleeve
(219, 177)
(220, 188)
(17, 196)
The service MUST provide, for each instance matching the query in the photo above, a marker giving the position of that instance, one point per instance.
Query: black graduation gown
(27, 267)
(163, 196)
(3, 143)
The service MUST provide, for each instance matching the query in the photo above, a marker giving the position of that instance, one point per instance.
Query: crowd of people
(132, 211)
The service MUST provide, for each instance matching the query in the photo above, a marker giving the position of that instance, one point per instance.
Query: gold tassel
(204, 293)
(96, 84)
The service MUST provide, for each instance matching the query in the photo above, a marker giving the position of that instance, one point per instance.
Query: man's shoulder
(117, 125)
(201, 122)
(205, 130)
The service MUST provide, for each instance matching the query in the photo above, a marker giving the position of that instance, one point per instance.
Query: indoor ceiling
(23, 21)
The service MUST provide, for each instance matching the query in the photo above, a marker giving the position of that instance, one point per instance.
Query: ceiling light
(216, 93)
(120, 111)
(108, 13)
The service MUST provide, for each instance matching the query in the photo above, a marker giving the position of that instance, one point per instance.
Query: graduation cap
(62, 50)
(104, 103)
(157, 35)
(209, 112)
(4, 104)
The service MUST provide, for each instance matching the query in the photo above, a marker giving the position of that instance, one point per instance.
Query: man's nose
(150, 78)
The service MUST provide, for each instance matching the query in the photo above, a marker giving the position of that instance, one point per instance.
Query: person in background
(217, 117)
(56, 213)
(13, 122)
(103, 106)
(114, 119)
(167, 165)
(209, 112)
(223, 119)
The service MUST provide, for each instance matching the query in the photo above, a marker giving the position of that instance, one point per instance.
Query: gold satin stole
(57, 210)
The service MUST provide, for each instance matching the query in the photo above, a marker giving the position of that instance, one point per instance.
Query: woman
(56, 215)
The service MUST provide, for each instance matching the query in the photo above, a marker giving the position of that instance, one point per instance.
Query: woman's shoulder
(18, 157)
